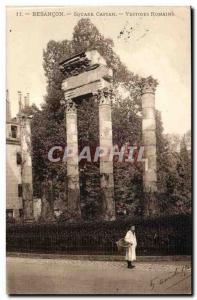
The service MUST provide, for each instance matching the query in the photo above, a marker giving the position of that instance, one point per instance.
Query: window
(18, 158)
(14, 131)
(20, 190)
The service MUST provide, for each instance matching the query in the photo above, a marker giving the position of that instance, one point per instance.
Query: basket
(122, 245)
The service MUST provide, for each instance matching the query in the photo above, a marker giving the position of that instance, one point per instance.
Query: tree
(175, 196)
(184, 173)
(164, 159)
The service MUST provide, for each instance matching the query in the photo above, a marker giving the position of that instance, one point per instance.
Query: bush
(156, 236)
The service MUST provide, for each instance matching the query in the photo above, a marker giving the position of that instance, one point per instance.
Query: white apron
(130, 251)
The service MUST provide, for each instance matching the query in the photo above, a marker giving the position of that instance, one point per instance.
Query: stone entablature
(81, 62)
(89, 81)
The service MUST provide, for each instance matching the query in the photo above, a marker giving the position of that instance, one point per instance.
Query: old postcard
(99, 157)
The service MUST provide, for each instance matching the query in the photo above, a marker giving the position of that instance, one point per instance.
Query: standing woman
(130, 238)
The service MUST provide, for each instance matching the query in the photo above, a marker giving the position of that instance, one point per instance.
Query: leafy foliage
(156, 236)
(174, 174)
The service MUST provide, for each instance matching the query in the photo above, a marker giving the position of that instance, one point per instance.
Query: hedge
(170, 235)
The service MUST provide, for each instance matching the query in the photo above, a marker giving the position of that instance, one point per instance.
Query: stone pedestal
(106, 166)
(72, 162)
(149, 135)
(27, 188)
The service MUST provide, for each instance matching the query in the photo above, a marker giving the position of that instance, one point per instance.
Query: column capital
(104, 96)
(71, 106)
(149, 85)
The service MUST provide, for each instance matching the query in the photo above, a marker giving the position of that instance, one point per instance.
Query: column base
(107, 197)
(151, 207)
(74, 208)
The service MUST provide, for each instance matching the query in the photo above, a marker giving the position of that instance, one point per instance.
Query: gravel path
(58, 276)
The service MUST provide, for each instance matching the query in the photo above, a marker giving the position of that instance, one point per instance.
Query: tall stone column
(149, 135)
(26, 170)
(106, 166)
(72, 162)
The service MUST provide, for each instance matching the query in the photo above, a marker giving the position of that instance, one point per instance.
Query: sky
(156, 45)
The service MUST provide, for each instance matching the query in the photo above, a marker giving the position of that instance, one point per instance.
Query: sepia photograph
(98, 150)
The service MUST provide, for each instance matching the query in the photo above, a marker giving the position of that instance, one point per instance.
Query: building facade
(14, 206)
(19, 203)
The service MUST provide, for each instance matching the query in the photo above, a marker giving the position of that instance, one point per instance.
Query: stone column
(106, 166)
(26, 170)
(149, 135)
(72, 162)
